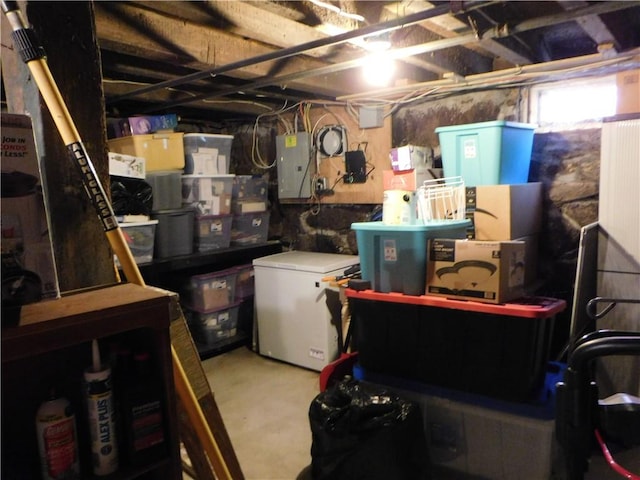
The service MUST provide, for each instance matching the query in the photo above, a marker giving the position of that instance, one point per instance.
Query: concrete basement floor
(264, 404)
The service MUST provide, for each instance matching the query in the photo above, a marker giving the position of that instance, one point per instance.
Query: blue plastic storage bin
(487, 153)
(394, 257)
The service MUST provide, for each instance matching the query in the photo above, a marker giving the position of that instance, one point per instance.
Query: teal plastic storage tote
(394, 257)
(487, 153)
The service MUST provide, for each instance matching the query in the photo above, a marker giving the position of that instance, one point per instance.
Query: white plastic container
(399, 207)
(57, 439)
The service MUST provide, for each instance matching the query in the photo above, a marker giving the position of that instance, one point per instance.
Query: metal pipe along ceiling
(440, 44)
(288, 52)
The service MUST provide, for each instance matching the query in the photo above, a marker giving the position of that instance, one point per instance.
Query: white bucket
(399, 207)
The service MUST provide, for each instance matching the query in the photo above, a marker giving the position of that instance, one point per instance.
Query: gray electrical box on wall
(295, 165)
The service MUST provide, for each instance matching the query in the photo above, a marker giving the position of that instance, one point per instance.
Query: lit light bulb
(378, 69)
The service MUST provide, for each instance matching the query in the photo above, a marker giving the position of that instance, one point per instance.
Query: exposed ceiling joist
(247, 56)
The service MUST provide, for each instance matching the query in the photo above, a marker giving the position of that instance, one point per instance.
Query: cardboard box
(27, 251)
(504, 212)
(409, 179)
(161, 151)
(410, 157)
(485, 271)
(126, 166)
(531, 244)
(144, 124)
(628, 92)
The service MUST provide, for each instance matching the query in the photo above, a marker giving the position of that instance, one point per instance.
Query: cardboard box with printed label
(504, 212)
(628, 92)
(129, 166)
(28, 263)
(161, 151)
(485, 271)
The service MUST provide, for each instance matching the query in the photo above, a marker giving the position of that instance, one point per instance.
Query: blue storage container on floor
(487, 153)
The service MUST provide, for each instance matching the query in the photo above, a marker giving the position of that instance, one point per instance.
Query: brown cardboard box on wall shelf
(485, 271)
(628, 83)
(161, 151)
(504, 212)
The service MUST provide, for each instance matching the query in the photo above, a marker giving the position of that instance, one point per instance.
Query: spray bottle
(57, 438)
(101, 415)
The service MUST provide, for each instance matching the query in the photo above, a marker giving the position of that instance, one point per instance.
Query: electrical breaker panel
(295, 165)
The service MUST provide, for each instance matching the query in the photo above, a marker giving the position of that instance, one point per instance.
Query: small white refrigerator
(294, 323)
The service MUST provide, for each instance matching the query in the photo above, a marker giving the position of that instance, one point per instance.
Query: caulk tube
(101, 416)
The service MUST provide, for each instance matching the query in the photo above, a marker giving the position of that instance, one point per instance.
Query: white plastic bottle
(57, 439)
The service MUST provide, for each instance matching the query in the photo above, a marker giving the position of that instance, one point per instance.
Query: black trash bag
(131, 196)
(364, 432)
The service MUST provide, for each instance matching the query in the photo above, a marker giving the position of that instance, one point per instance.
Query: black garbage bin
(363, 431)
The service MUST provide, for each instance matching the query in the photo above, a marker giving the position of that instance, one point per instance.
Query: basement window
(574, 104)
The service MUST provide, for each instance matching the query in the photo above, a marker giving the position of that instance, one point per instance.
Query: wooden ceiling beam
(447, 26)
(130, 30)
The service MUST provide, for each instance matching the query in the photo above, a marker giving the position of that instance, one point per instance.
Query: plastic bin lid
(218, 175)
(137, 224)
(495, 123)
(433, 225)
(213, 217)
(307, 261)
(526, 307)
(214, 135)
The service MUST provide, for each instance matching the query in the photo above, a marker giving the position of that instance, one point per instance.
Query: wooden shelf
(51, 346)
(158, 271)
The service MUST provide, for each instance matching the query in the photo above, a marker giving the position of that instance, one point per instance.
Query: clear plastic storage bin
(212, 232)
(208, 194)
(207, 153)
(140, 237)
(250, 228)
(211, 290)
(214, 326)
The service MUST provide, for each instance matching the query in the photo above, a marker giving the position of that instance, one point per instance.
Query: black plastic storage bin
(499, 351)
(174, 232)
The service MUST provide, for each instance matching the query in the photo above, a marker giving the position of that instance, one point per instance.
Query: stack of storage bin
(479, 367)
(493, 158)
(163, 152)
(137, 229)
(211, 307)
(207, 187)
(245, 295)
(249, 206)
